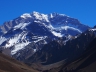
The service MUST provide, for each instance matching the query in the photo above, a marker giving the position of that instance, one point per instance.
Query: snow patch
(16, 39)
(51, 15)
(39, 39)
(68, 27)
(93, 29)
(2, 39)
(57, 34)
(21, 25)
(34, 50)
(18, 47)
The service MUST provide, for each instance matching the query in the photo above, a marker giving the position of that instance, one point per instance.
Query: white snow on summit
(26, 15)
(40, 16)
(51, 15)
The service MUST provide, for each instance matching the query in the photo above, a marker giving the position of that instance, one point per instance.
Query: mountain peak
(40, 16)
(26, 15)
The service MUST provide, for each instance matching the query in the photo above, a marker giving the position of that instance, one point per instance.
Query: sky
(83, 10)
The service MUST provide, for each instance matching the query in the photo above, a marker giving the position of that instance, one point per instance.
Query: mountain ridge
(34, 13)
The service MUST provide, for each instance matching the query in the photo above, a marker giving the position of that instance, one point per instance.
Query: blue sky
(84, 10)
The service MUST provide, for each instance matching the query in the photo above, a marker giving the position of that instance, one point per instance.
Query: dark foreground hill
(85, 63)
(8, 64)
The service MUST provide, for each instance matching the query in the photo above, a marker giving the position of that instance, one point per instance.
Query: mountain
(47, 42)
(37, 28)
(8, 64)
(56, 53)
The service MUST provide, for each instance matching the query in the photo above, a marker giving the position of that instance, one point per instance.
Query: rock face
(37, 28)
(56, 51)
(85, 63)
(72, 56)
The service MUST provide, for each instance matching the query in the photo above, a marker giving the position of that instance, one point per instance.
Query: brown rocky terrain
(8, 64)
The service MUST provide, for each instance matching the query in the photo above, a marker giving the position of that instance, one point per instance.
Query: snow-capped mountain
(35, 27)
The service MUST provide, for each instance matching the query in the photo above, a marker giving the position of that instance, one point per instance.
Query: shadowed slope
(86, 63)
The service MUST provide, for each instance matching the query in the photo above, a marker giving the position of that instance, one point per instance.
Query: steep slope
(8, 64)
(30, 49)
(85, 63)
(57, 51)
